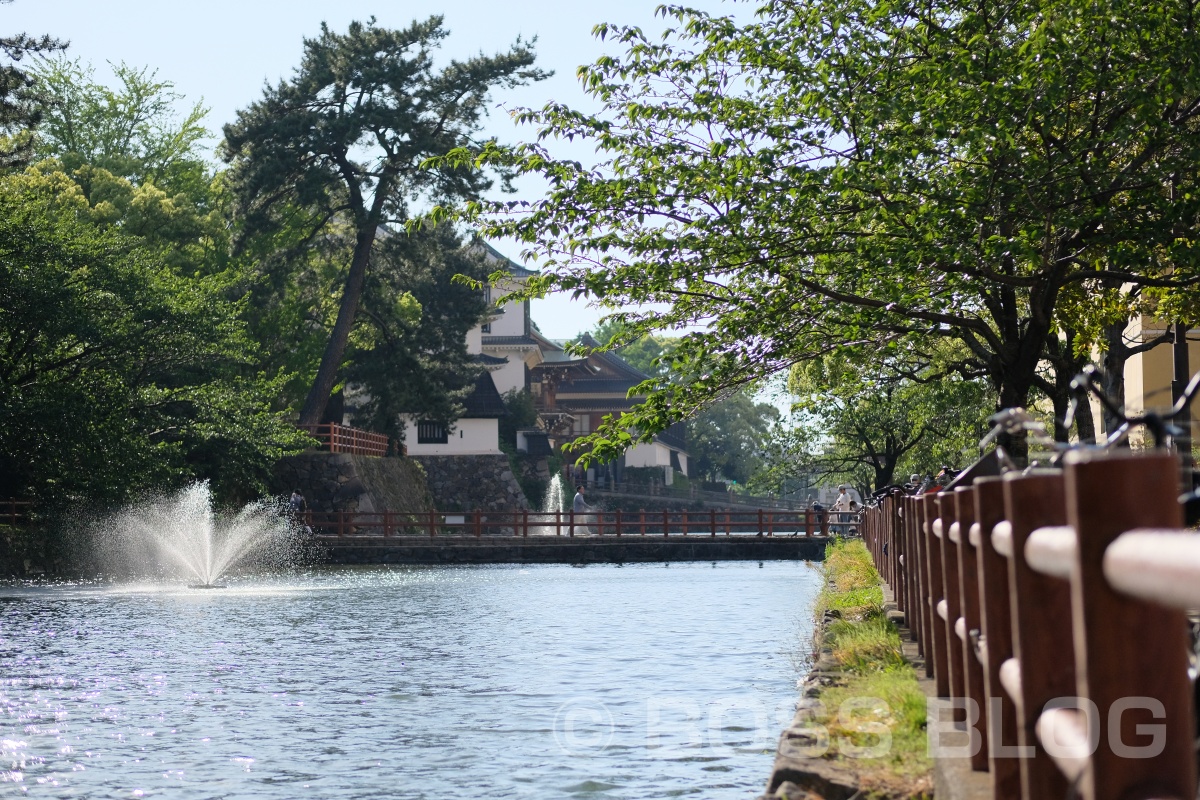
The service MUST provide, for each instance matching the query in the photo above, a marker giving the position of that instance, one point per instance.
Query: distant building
(476, 432)
(1148, 375)
(572, 394)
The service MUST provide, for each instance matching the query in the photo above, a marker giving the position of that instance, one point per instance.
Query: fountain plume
(181, 536)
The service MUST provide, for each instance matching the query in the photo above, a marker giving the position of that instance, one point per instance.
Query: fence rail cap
(1159, 565)
(1052, 550)
(1002, 538)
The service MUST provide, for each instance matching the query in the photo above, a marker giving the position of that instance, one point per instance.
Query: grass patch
(876, 716)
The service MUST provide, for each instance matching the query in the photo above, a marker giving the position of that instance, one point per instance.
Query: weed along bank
(859, 727)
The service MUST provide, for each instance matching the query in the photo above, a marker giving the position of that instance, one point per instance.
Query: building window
(431, 432)
(487, 301)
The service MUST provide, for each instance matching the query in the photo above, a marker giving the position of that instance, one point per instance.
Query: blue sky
(224, 50)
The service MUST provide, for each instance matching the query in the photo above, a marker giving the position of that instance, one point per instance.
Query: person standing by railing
(298, 505)
(583, 511)
(841, 509)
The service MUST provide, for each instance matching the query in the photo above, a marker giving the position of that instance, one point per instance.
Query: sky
(222, 51)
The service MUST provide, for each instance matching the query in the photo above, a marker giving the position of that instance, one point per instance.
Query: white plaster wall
(511, 322)
(475, 340)
(468, 437)
(511, 375)
(646, 454)
(653, 454)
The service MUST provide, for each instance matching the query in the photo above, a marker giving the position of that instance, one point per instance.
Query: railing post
(997, 634)
(618, 522)
(1043, 650)
(571, 529)
(728, 521)
(478, 523)
(666, 522)
(525, 523)
(808, 523)
(432, 523)
(760, 522)
(964, 514)
(685, 522)
(1127, 647)
(642, 520)
(712, 512)
(770, 523)
(937, 595)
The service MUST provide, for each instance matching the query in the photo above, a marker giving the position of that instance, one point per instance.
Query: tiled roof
(502, 341)
(597, 385)
(538, 443)
(484, 401)
(490, 361)
(510, 265)
(612, 360)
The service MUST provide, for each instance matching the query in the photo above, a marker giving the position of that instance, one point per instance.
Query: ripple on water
(631, 682)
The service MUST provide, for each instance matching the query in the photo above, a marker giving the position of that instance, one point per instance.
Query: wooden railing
(14, 512)
(1054, 601)
(344, 439)
(432, 524)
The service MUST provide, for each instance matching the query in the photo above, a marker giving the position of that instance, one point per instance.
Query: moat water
(636, 681)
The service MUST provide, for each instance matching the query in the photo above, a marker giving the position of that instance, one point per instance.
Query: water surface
(641, 681)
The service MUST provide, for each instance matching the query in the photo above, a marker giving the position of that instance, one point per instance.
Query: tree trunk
(331, 361)
(1112, 382)
(1016, 445)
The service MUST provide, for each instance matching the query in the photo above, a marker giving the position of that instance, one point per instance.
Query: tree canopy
(21, 101)
(116, 373)
(344, 140)
(837, 174)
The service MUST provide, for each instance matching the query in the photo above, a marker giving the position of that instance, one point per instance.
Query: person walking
(841, 507)
(583, 511)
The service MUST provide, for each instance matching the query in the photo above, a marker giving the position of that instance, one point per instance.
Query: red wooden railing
(343, 439)
(13, 512)
(710, 522)
(1055, 601)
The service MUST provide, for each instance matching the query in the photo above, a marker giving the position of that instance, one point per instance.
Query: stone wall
(341, 482)
(470, 483)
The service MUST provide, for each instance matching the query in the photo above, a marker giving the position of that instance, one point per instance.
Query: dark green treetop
(21, 101)
(345, 137)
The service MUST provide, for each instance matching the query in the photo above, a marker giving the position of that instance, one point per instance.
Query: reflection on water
(502, 681)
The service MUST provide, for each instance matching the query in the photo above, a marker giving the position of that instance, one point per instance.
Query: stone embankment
(343, 482)
(470, 483)
(860, 723)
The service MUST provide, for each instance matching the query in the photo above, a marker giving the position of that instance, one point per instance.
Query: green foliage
(342, 143)
(409, 349)
(522, 415)
(130, 132)
(844, 174)
(725, 437)
(21, 99)
(868, 425)
(116, 373)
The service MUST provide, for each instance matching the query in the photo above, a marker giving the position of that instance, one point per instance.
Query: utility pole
(1179, 350)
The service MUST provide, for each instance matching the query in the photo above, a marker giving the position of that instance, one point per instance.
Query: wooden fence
(524, 524)
(14, 512)
(1055, 600)
(344, 439)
